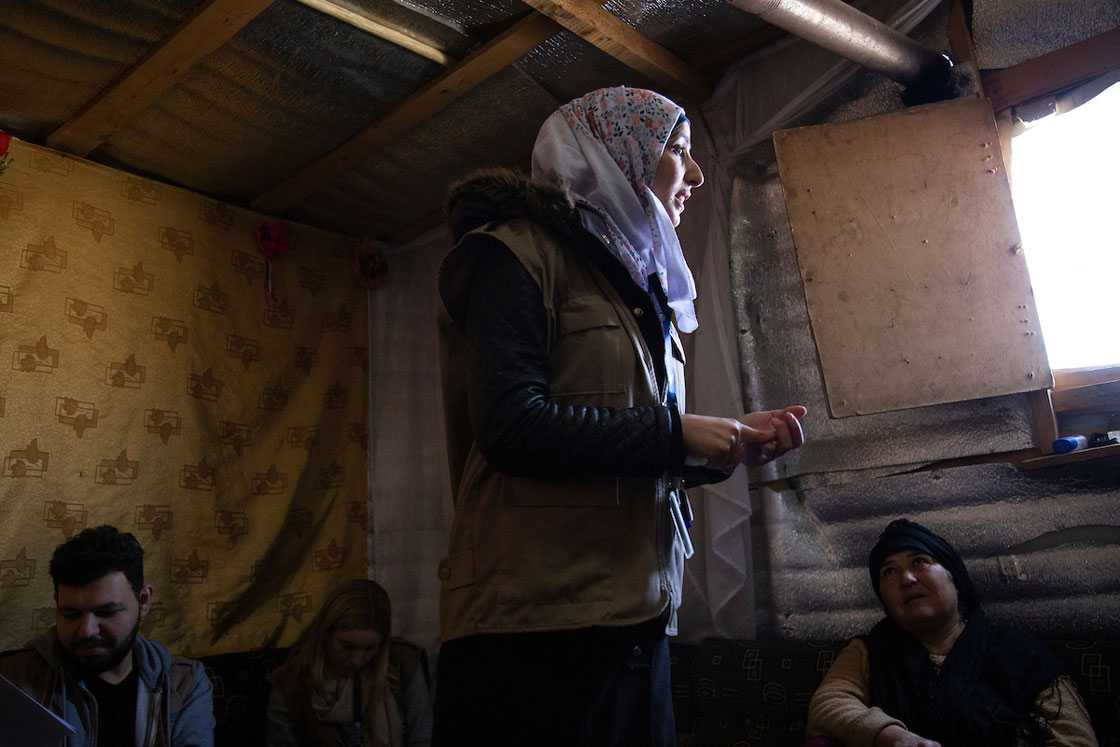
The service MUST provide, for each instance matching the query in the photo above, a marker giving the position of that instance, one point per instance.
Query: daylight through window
(1065, 173)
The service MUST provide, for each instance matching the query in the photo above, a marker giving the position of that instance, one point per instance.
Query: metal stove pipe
(851, 33)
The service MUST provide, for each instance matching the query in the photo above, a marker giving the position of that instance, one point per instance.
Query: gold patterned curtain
(148, 381)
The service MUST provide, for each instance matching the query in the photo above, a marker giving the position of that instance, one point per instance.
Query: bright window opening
(1066, 190)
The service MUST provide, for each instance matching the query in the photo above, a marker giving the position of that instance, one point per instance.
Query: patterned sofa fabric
(725, 693)
(1095, 667)
(729, 693)
(747, 693)
(241, 694)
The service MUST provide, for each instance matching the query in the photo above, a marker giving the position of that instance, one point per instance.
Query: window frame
(1080, 397)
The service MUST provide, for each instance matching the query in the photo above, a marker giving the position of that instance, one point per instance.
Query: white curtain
(409, 487)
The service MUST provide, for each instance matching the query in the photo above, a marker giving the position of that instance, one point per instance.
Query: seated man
(935, 671)
(93, 670)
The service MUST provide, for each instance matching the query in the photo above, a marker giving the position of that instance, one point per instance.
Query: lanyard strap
(357, 710)
(660, 305)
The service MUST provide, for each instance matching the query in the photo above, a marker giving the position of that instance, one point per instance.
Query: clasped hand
(752, 439)
(896, 736)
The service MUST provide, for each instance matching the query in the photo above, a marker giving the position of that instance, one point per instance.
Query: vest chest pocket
(556, 539)
(592, 353)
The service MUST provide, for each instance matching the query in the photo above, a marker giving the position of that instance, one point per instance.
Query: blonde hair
(356, 605)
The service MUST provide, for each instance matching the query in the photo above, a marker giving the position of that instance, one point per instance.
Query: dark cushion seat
(241, 694)
(726, 693)
(729, 693)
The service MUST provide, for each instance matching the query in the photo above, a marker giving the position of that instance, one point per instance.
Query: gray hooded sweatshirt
(174, 705)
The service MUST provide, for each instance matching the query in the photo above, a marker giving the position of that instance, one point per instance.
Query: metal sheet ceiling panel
(55, 57)
(294, 84)
(476, 18)
(690, 29)
(419, 22)
(493, 125)
(567, 66)
(289, 87)
(1008, 32)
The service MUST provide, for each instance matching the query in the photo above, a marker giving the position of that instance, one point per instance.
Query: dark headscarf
(985, 691)
(903, 534)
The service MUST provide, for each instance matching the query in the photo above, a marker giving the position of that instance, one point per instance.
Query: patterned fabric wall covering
(147, 382)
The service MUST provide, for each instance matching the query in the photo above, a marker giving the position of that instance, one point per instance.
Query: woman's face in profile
(917, 591)
(350, 650)
(677, 174)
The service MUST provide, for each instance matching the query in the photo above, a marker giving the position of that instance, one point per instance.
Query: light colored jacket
(840, 707)
(174, 703)
(292, 721)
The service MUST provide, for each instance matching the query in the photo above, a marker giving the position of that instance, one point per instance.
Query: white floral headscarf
(605, 147)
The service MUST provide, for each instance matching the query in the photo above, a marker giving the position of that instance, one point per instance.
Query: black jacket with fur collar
(517, 428)
(499, 309)
(493, 195)
(497, 195)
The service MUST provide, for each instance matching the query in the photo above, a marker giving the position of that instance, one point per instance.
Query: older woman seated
(935, 671)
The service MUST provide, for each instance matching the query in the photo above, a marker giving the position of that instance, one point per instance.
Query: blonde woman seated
(347, 683)
(935, 671)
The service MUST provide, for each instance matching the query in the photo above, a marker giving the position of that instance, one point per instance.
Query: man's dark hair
(95, 553)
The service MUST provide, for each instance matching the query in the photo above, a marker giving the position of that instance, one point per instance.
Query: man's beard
(88, 666)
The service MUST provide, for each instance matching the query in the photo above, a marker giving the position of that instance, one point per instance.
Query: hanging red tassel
(5, 159)
(272, 238)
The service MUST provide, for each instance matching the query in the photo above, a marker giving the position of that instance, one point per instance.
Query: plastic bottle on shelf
(1067, 444)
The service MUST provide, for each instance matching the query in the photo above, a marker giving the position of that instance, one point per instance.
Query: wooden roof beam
(960, 42)
(495, 55)
(211, 26)
(1055, 71)
(600, 27)
(381, 29)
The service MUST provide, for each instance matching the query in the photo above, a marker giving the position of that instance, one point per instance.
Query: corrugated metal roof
(294, 84)
(284, 112)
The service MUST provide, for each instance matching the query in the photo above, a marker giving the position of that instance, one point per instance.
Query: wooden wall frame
(1081, 400)
(1053, 72)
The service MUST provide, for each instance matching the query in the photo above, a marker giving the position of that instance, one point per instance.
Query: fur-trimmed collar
(500, 195)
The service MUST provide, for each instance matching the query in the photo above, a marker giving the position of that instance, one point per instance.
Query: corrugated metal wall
(813, 545)
(1042, 546)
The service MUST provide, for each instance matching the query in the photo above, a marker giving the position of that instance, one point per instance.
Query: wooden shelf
(1103, 395)
(1083, 455)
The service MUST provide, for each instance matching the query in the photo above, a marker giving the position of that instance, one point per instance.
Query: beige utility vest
(546, 554)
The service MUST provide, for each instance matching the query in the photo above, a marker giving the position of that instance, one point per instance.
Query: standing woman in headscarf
(935, 672)
(568, 443)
